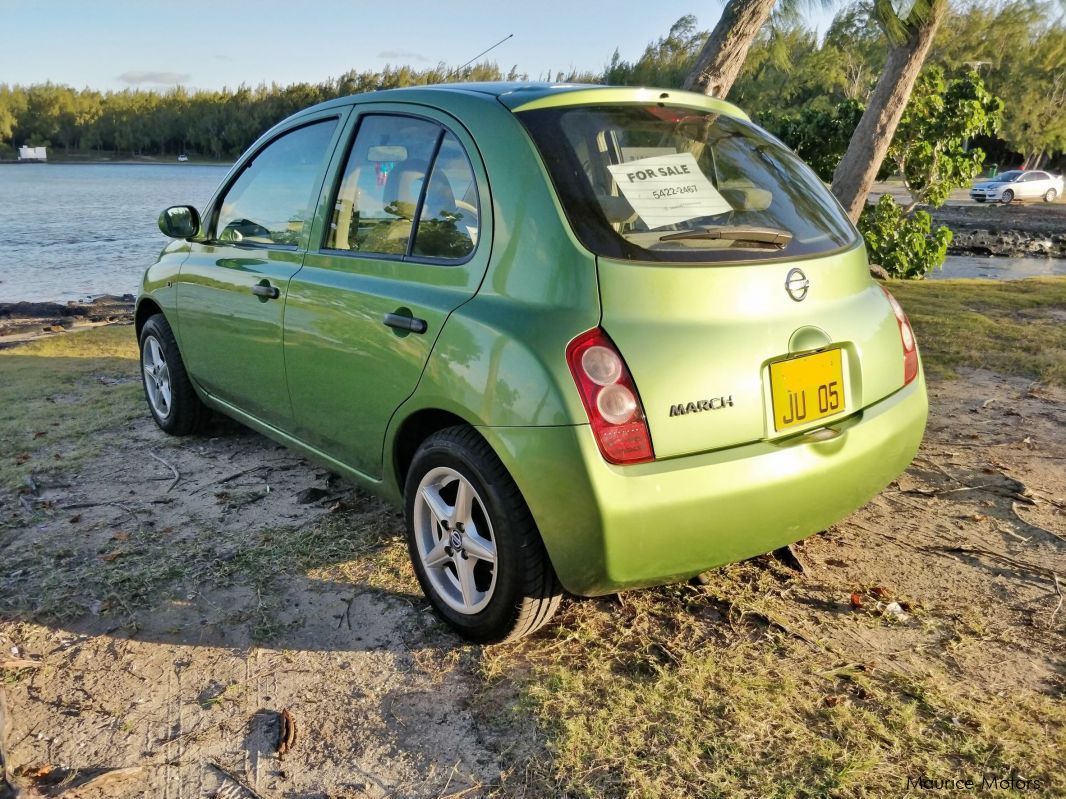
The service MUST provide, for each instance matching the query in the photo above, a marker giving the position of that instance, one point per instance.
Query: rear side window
(448, 223)
(274, 196)
(662, 183)
(407, 189)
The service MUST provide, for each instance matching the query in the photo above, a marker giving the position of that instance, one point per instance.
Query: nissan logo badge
(796, 284)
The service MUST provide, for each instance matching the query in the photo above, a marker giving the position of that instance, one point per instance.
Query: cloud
(402, 54)
(138, 76)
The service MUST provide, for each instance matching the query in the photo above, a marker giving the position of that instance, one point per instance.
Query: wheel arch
(555, 453)
(411, 432)
(146, 309)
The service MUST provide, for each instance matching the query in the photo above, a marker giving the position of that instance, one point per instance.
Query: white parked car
(1018, 184)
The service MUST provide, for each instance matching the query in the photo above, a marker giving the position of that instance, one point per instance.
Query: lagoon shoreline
(1015, 230)
(25, 321)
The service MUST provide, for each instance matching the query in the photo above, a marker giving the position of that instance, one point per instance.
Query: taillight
(906, 336)
(610, 398)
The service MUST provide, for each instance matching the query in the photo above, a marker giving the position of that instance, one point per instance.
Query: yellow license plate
(806, 389)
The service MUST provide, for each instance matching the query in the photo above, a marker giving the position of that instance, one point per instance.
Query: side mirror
(180, 222)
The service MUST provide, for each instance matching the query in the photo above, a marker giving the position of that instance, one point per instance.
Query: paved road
(957, 197)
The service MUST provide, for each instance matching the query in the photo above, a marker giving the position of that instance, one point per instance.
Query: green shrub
(905, 246)
(819, 137)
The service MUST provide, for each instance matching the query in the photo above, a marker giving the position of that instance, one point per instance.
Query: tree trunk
(722, 57)
(854, 175)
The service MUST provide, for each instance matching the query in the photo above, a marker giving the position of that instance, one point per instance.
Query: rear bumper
(607, 528)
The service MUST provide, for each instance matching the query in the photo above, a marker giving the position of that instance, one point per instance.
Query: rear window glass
(662, 183)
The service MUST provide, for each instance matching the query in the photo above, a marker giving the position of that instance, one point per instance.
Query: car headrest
(439, 197)
(400, 184)
(746, 196)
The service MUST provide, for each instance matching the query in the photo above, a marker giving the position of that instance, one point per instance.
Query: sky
(149, 44)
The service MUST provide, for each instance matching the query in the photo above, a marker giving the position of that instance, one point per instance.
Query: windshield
(1009, 177)
(662, 183)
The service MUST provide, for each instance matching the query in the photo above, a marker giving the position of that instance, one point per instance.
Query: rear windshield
(662, 183)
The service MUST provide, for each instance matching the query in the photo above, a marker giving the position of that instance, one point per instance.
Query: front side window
(274, 196)
(661, 183)
(402, 171)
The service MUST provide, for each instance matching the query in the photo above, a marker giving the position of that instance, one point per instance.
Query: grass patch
(1015, 328)
(58, 395)
(685, 691)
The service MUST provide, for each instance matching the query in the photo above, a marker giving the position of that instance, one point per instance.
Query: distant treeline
(214, 124)
(1018, 47)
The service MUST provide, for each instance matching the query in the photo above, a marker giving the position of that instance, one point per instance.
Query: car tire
(473, 542)
(1050, 196)
(168, 391)
(1007, 197)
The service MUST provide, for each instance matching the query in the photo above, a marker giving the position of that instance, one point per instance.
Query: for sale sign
(668, 189)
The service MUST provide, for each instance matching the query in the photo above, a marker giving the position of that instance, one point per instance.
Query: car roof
(526, 95)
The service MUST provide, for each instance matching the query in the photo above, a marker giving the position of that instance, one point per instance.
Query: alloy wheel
(455, 540)
(156, 377)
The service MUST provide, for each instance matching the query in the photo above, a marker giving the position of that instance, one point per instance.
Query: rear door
(1042, 183)
(231, 291)
(731, 281)
(1033, 185)
(404, 238)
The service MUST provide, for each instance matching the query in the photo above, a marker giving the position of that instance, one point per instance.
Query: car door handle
(404, 322)
(266, 290)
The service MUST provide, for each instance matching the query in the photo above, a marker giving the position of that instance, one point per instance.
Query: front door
(403, 244)
(231, 291)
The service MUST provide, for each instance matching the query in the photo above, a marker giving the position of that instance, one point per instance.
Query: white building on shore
(33, 153)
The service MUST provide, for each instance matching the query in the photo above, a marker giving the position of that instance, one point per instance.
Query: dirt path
(166, 584)
(971, 540)
(175, 597)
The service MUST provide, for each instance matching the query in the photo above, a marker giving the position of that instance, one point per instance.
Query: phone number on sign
(673, 191)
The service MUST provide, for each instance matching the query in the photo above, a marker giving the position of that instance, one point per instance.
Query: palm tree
(910, 25)
(910, 37)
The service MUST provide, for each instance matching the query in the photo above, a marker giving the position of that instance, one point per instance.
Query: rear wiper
(758, 235)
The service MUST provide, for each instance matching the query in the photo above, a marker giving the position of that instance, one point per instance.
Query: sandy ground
(154, 664)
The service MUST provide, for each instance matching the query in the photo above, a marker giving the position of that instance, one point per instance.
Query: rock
(1018, 230)
(23, 321)
(309, 495)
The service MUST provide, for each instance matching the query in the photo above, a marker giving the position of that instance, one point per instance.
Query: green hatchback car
(590, 338)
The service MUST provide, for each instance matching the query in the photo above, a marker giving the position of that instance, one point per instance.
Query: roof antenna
(475, 58)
